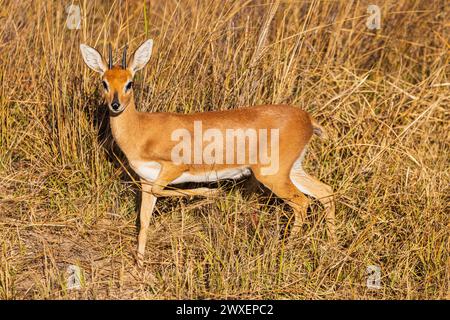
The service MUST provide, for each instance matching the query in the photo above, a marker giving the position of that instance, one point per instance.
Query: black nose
(115, 106)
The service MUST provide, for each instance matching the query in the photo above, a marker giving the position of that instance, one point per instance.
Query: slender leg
(319, 190)
(286, 190)
(147, 206)
(150, 192)
(299, 203)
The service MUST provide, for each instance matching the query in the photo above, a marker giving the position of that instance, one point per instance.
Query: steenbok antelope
(159, 146)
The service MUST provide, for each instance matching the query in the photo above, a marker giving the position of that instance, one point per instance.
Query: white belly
(211, 176)
(150, 172)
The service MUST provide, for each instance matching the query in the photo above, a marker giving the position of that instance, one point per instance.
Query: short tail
(319, 130)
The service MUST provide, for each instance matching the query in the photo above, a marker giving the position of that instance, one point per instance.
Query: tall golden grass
(67, 196)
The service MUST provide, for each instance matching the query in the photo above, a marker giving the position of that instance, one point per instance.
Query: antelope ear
(141, 56)
(93, 58)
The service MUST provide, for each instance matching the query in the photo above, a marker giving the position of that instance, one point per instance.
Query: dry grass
(384, 96)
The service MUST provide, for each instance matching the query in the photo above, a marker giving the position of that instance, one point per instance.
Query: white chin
(117, 111)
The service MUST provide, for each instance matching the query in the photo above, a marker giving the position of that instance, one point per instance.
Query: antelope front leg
(147, 206)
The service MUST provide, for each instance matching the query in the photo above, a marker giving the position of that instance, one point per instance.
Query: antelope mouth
(116, 111)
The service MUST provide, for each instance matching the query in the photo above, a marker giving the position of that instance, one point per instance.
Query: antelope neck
(125, 127)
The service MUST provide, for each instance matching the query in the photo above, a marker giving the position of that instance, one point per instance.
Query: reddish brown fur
(146, 138)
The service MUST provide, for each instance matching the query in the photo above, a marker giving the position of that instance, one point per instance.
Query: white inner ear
(141, 56)
(92, 58)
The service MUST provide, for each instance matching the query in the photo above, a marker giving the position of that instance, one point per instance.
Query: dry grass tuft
(383, 95)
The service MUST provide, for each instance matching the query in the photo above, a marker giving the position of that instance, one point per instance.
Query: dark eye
(105, 85)
(129, 86)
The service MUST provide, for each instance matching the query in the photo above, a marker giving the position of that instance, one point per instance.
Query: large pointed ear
(93, 58)
(141, 56)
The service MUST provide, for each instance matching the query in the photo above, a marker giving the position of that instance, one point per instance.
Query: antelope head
(117, 79)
